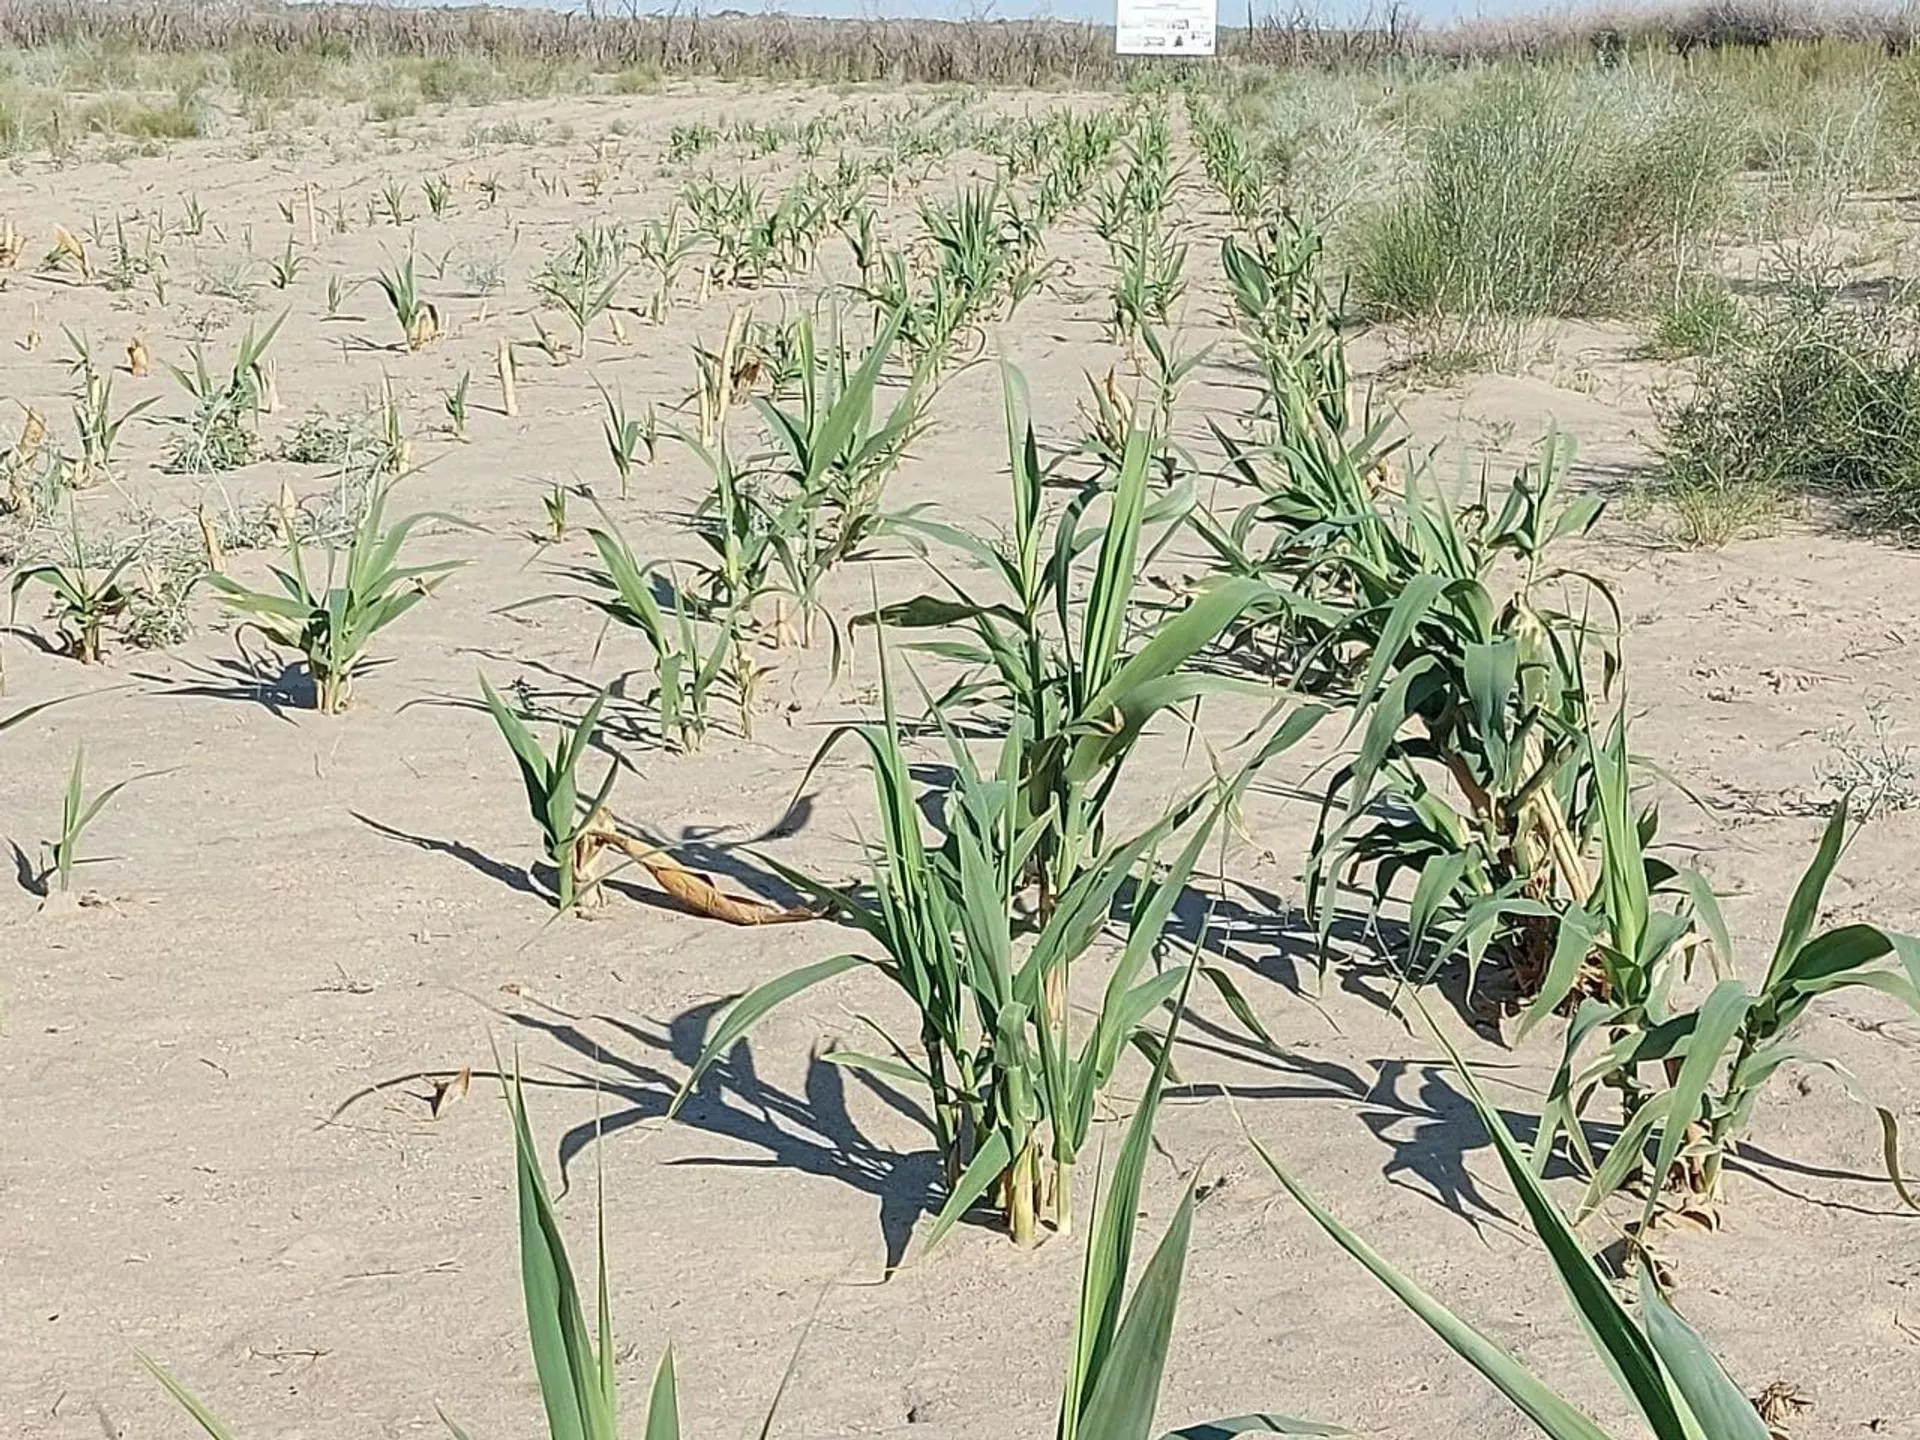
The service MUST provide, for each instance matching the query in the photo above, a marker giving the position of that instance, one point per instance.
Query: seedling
(219, 433)
(77, 812)
(555, 504)
(284, 269)
(393, 201)
(628, 439)
(84, 601)
(583, 279)
(567, 820)
(438, 190)
(331, 620)
(455, 401)
(419, 319)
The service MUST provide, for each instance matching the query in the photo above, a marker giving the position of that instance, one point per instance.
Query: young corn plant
(1149, 279)
(1053, 649)
(418, 318)
(664, 248)
(77, 812)
(1472, 710)
(584, 279)
(736, 526)
(220, 433)
(631, 440)
(87, 595)
(95, 424)
(692, 654)
(455, 402)
(1011, 1093)
(285, 267)
(567, 818)
(835, 451)
(330, 618)
(1689, 1078)
(1292, 326)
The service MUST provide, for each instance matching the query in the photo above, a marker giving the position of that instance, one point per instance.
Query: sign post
(1164, 27)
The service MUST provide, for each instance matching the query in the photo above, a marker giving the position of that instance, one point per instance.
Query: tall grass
(1547, 194)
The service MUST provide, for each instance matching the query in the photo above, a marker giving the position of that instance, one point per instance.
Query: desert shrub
(1697, 318)
(1821, 402)
(1545, 194)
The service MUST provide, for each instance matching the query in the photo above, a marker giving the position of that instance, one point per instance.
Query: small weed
(1869, 771)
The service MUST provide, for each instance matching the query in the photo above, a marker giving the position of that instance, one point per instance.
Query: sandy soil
(214, 1144)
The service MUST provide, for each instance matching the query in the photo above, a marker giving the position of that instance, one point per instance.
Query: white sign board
(1165, 27)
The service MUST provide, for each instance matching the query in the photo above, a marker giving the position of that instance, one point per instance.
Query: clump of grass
(1544, 195)
(1820, 403)
(1698, 318)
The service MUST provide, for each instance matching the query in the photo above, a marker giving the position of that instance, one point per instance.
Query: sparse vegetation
(1819, 404)
(1237, 619)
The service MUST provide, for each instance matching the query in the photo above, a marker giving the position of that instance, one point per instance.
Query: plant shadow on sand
(812, 1132)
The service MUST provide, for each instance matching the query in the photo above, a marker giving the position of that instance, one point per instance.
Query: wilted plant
(565, 816)
(330, 620)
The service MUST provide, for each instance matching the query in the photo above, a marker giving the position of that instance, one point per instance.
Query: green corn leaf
(989, 1163)
(663, 1403)
(1804, 909)
(565, 1356)
(1126, 1388)
(1555, 1417)
(187, 1400)
(1719, 1018)
(1722, 1411)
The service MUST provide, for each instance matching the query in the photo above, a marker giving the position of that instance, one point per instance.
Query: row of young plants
(1491, 795)
(1490, 791)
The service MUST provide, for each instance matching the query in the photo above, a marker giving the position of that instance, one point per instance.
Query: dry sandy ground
(301, 908)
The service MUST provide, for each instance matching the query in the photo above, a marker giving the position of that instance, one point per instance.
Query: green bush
(1545, 194)
(1819, 403)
